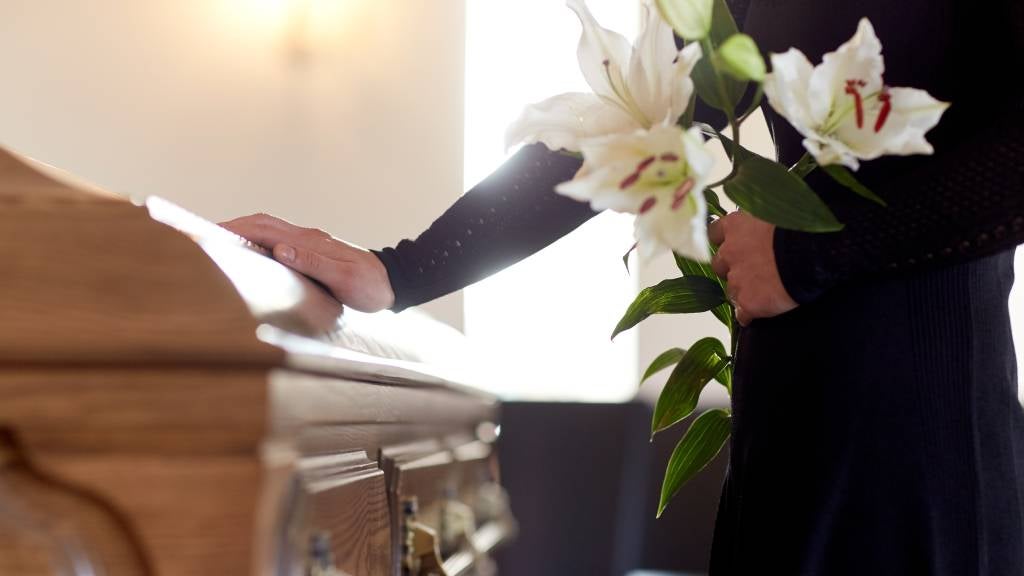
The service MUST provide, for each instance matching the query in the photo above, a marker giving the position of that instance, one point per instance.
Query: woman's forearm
(510, 215)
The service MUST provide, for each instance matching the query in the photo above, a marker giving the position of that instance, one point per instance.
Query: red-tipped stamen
(629, 180)
(669, 157)
(886, 99)
(681, 193)
(852, 89)
(648, 204)
(635, 176)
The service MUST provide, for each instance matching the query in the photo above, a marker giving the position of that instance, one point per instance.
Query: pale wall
(210, 103)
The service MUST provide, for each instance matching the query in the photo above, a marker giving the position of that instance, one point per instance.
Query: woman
(876, 423)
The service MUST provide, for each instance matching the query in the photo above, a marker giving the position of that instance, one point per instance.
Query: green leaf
(693, 268)
(625, 257)
(740, 57)
(711, 197)
(691, 19)
(686, 295)
(698, 447)
(672, 357)
(804, 166)
(768, 191)
(667, 358)
(678, 399)
(725, 378)
(840, 174)
(755, 103)
(722, 27)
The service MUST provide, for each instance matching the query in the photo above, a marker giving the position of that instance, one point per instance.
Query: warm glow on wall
(302, 25)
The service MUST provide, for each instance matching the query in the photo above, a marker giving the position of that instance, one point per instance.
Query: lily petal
(658, 174)
(914, 112)
(858, 59)
(828, 150)
(603, 54)
(786, 88)
(562, 121)
(600, 187)
(697, 156)
(650, 67)
(684, 230)
(679, 82)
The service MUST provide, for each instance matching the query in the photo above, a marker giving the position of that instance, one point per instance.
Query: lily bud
(691, 19)
(740, 57)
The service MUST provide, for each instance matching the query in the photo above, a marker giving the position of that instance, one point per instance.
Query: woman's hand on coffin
(354, 275)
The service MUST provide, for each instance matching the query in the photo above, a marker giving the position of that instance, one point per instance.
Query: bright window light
(547, 320)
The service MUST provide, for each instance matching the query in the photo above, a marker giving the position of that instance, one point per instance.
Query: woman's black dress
(877, 428)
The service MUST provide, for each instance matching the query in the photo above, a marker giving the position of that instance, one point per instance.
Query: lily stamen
(632, 179)
(629, 181)
(853, 89)
(625, 99)
(681, 193)
(886, 99)
(648, 204)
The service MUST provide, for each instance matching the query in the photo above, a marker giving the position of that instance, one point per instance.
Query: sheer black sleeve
(508, 216)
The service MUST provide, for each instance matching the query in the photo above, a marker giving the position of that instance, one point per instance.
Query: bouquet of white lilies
(644, 154)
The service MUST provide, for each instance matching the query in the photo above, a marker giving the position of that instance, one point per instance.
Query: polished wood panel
(192, 515)
(348, 503)
(173, 402)
(190, 411)
(105, 284)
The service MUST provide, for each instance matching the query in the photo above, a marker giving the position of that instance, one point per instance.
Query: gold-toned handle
(458, 524)
(421, 548)
(462, 544)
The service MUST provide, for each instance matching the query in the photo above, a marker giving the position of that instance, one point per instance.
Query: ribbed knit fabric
(877, 429)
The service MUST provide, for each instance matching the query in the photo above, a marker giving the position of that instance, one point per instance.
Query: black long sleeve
(508, 216)
(967, 202)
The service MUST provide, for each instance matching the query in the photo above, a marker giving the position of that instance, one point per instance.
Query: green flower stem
(804, 166)
(734, 125)
(723, 95)
(754, 104)
(729, 176)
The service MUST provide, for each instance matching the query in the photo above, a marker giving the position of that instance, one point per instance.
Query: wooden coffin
(174, 402)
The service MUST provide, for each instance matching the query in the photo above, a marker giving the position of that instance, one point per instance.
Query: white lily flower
(843, 108)
(658, 174)
(633, 87)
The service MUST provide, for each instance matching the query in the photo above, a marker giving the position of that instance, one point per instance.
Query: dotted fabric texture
(508, 216)
(965, 202)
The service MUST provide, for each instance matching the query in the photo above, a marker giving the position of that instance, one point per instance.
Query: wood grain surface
(147, 419)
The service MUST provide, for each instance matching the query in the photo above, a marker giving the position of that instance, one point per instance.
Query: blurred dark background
(584, 482)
